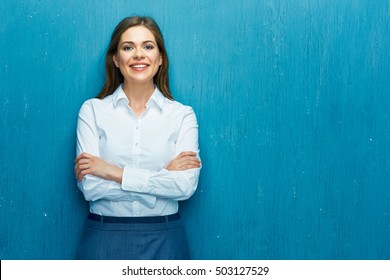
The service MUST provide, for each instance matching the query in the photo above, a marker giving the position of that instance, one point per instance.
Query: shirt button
(136, 127)
(136, 144)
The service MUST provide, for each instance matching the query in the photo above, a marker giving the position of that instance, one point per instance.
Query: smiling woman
(114, 76)
(138, 59)
(137, 153)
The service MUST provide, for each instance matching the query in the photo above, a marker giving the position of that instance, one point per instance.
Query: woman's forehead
(137, 34)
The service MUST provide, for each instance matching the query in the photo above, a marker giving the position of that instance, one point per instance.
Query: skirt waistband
(134, 220)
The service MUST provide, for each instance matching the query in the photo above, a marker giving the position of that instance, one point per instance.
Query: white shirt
(143, 146)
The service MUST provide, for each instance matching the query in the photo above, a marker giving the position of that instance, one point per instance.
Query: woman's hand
(184, 161)
(86, 164)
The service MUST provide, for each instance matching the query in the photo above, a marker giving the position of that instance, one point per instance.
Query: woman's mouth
(139, 66)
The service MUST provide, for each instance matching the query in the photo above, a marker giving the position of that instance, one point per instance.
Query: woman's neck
(138, 95)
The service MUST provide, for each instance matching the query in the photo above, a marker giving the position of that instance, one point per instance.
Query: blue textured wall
(293, 103)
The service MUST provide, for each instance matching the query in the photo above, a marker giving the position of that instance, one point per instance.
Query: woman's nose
(138, 54)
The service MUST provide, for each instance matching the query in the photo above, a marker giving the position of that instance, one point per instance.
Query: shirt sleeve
(93, 187)
(175, 185)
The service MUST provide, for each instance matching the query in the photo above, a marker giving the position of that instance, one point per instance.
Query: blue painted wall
(293, 103)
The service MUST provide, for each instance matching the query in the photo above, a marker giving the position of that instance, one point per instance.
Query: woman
(137, 152)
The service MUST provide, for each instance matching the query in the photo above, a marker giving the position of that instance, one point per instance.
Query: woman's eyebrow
(143, 43)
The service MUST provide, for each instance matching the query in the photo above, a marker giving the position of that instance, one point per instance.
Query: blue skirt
(133, 239)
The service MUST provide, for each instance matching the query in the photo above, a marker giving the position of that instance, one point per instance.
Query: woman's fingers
(83, 163)
(86, 164)
(188, 153)
(83, 156)
(191, 161)
(185, 160)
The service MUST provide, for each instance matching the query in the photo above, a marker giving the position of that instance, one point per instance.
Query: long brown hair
(113, 75)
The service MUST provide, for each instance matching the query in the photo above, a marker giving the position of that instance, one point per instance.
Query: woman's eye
(149, 47)
(127, 48)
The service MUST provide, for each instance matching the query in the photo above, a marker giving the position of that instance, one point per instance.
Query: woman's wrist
(115, 174)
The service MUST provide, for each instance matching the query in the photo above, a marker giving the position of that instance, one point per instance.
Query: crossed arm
(101, 179)
(87, 164)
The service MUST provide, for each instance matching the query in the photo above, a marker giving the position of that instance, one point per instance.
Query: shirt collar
(157, 97)
(119, 95)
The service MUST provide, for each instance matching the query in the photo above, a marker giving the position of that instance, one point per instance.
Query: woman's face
(138, 56)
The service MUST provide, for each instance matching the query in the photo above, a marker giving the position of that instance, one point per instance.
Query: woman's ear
(115, 59)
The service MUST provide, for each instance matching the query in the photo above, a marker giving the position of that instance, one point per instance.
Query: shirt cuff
(135, 180)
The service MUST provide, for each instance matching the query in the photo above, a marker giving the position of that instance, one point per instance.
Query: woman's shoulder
(177, 106)
(179, 111)
(90, 101)
(93, 104)
(107, 100)
(98, 101)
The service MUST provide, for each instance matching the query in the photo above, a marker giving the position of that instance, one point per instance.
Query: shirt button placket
(136, 153)
(137, 138)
